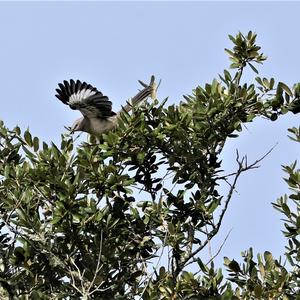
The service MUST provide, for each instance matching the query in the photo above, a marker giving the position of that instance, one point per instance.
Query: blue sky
(113, 44)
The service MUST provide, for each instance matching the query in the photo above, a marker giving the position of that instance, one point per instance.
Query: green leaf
(28, 138)
(235, 65)
(229, 52)
(56, 219)
(249, 35)
(2, 265)
(213, 205)
(227, 75)
(45, 146)
(171, 228)
(234, 266)
(285, 88)
(21, 214)
(266, 83)
(226, 261)
(253, 68)
(17, 130)
(214, 86)
(272, 82)
(202, 266)
(7, 171)
(146, 219)
(286, 209)
(258, 291)
(232, 38)
(35, 144)
(259, 80)
(268, 258)
(162, 272)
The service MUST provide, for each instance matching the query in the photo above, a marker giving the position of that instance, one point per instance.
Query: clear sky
(113, 44)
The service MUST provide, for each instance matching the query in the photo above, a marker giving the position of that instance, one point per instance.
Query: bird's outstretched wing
(86, 98)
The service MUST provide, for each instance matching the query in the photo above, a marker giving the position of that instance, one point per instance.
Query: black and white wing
(86, 98)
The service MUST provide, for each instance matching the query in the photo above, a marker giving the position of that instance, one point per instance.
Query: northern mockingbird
(96, 109)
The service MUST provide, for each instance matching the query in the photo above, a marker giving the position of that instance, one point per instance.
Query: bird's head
(77, 125)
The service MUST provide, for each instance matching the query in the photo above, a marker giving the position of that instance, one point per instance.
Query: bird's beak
(70, 129)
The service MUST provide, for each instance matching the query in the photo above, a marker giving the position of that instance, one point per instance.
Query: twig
(209, 243)
(220, 248)
(242, 167)
(80, 276)
(250, 167)
(156, 266)
(98, 267)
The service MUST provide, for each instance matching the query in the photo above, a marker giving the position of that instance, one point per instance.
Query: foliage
(93, 222)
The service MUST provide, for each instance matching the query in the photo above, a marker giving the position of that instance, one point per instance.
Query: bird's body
(96, 108)
(96, 125)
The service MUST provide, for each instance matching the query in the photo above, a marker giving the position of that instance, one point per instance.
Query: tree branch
(242, 167)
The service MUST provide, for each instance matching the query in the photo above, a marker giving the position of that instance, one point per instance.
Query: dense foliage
(92, 221)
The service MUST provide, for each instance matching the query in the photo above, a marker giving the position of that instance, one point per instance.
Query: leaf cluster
(88, 221)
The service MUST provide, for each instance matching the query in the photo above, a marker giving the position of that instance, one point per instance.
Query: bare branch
(242, 167)
(156, 266)
(220, 248)
(98, 267)
(247, 167)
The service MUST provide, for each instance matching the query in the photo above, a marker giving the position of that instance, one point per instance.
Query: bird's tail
(147, 91)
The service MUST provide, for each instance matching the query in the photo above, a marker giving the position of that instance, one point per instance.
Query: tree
(93, 222)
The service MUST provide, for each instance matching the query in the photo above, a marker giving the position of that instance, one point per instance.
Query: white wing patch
(80, 96)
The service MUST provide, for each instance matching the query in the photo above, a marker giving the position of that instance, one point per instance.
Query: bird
(98, 116)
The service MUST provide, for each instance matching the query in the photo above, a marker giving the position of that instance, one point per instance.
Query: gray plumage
(96, 108)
